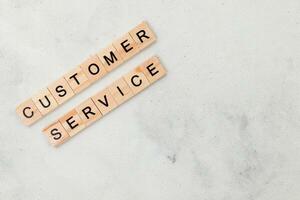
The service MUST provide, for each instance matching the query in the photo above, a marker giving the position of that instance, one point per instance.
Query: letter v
(104, 103)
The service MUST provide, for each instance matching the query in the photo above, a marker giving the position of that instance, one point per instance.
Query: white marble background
(224, 124)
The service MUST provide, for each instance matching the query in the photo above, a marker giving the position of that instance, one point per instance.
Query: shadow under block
(136, 80)
(143, 35)
(126, 46)
(44, 101)
(61, 90)
(56, 134)
(28, 112)
(120, 91)
(112, 96)
(72, 122)
(77, 80)
(93, 68)
(104, 101)
(88, 112)
(153, 69)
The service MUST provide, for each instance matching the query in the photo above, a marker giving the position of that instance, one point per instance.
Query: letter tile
(104, 101)
(93, 68)
(56, 134)
(72, 122)
(120, 91)
(28, 112)
(88, 112)
(136, 80)
(61, 90)
(143, 35)
(44, 101)
(126, 46)
(153, 69)
(77, 79)
(110, 58)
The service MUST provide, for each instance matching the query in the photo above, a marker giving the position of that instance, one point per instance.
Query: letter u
(47, 104)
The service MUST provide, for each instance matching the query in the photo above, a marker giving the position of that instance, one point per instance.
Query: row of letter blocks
(91, 70)
(95, 107)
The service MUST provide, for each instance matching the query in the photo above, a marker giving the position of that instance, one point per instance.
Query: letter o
(96, 68)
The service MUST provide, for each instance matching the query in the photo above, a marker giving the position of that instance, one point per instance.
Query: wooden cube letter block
(126, 46)
(56, 134)
(77, 79)
(72, 122)
(44, 101)
(153, 69)
(120, 91)
(28, 112)
(88, 112)
(93, 68)
(61, 90)
(143, 35)
(136, 80)
(110, 58)
(104, 101)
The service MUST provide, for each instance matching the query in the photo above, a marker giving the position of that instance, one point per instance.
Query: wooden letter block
(88, 112)
(61, 90)
(104, 101)
(56, 134)
(28, 112)
(110, 58)
(136, 80)
(44, 101)
(93, 68)
(77, 79)
(143, 35)
(72, 122)
(126, 46)
(120, 91)
(153, 69)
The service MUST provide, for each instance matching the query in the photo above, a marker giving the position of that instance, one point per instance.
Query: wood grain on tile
(104, 101)
(93, 68)
(136, 80)
(143, 35)
(110, 58)
(28, 112)
(126, 46)
(120, 91)
(153, 69)
(61, 90)
(56, 134)
(44, 101)
(88, 112)
(72, 122)
(77, 79)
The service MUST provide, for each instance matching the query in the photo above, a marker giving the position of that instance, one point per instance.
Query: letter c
(136, 84)
(26, 115)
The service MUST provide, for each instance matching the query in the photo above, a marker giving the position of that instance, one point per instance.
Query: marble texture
(224, 124)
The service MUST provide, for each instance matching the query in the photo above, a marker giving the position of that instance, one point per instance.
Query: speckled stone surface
(224, 124)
